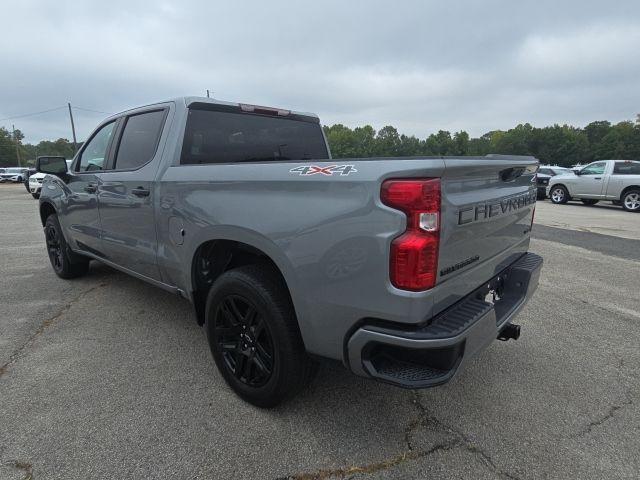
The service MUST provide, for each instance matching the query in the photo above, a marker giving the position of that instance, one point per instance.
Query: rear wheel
(65, 263)
(589, 201)
(631, 200)
(254, 337)
(559, 195)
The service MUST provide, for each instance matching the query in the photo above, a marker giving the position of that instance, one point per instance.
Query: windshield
(13, 170)
(227, 137)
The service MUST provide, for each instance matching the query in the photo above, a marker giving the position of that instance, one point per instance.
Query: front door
(591, 180)
(81, 217)
(126, 195)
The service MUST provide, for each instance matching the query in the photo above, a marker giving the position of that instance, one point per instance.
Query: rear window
(626, 168)
(225, 137)
(139, 139)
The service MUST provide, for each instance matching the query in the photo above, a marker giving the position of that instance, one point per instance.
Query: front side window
(594, 169)
(626, 168)
(139, 139)
(93, 155)
(226, 137)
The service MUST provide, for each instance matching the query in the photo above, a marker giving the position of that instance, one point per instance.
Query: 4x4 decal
(330, 170)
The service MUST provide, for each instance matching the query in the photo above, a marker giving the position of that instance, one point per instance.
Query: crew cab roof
(189, 101)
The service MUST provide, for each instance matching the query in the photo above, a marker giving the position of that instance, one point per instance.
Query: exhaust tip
(511, 331)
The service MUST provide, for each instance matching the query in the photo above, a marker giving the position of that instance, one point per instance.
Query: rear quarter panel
(329, 235)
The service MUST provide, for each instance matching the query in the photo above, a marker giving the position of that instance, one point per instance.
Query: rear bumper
(431, 354)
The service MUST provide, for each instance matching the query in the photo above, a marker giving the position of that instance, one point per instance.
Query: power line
(91, 110)
(34, 113)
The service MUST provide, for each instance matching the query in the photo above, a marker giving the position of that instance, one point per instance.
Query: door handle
(91, 188)
(140, 192)
(597, 178)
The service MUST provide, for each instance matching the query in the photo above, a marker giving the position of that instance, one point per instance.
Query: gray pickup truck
(400, 268)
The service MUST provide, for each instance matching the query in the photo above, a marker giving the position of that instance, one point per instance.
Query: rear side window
(224, 137)
(139, 139)
(626, 168)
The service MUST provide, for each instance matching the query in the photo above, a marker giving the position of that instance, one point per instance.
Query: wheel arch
(46, 209)
(212, 257)
(626, 190)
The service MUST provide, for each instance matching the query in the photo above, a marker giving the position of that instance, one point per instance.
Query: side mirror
(51, 165)
(577, 172)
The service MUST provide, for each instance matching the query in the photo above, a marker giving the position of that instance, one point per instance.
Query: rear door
(487, 209)
(126, 197)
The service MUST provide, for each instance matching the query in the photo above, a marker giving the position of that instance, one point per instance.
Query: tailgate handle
(512, 173)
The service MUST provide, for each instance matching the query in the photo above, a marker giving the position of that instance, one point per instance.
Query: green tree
(387, 142)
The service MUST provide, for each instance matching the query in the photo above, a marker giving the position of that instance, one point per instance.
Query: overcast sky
(418, 65)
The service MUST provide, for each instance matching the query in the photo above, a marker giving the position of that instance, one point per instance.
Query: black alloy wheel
(254, 335)
(65, 263)
(54, 247)
(245, 341)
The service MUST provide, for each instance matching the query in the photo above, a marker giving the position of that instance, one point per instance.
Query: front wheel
(589, 201)
(631, 201)
(559, 195)
(65, 263)
(254, 337)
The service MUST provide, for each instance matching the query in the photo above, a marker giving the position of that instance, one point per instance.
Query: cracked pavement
(107, 377)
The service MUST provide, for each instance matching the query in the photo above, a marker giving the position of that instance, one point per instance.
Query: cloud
(420, 66)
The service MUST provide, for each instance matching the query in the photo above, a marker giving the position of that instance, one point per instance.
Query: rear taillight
(414, 254)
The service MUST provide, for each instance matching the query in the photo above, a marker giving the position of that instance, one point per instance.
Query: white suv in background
(35, 181)
(614, 180)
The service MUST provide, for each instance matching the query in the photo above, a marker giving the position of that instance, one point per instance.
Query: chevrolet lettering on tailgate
(481, 211)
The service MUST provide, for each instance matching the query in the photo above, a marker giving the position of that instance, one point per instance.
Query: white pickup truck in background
(615, 180)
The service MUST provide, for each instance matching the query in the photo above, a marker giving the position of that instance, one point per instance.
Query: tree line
(28, 151)
(562, 145)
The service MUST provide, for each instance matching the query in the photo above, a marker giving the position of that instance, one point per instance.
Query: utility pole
(207, 93)
(73, 129)
(15, 139)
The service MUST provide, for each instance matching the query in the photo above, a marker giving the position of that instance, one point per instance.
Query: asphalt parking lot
(107, 377)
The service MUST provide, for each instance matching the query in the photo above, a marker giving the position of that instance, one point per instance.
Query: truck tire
(65, 263)
(559, 195)
(254, 337)
(589, 201)
(631, 200)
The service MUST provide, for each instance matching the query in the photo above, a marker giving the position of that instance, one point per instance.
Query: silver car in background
(615, 180)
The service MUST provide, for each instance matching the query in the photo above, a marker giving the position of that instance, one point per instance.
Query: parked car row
(31, 178)
(13, 174)
(617, 181)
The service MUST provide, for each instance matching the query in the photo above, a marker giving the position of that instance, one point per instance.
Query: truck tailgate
(487, 209)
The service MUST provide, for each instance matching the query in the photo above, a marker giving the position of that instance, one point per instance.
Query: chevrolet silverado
(400, 268)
